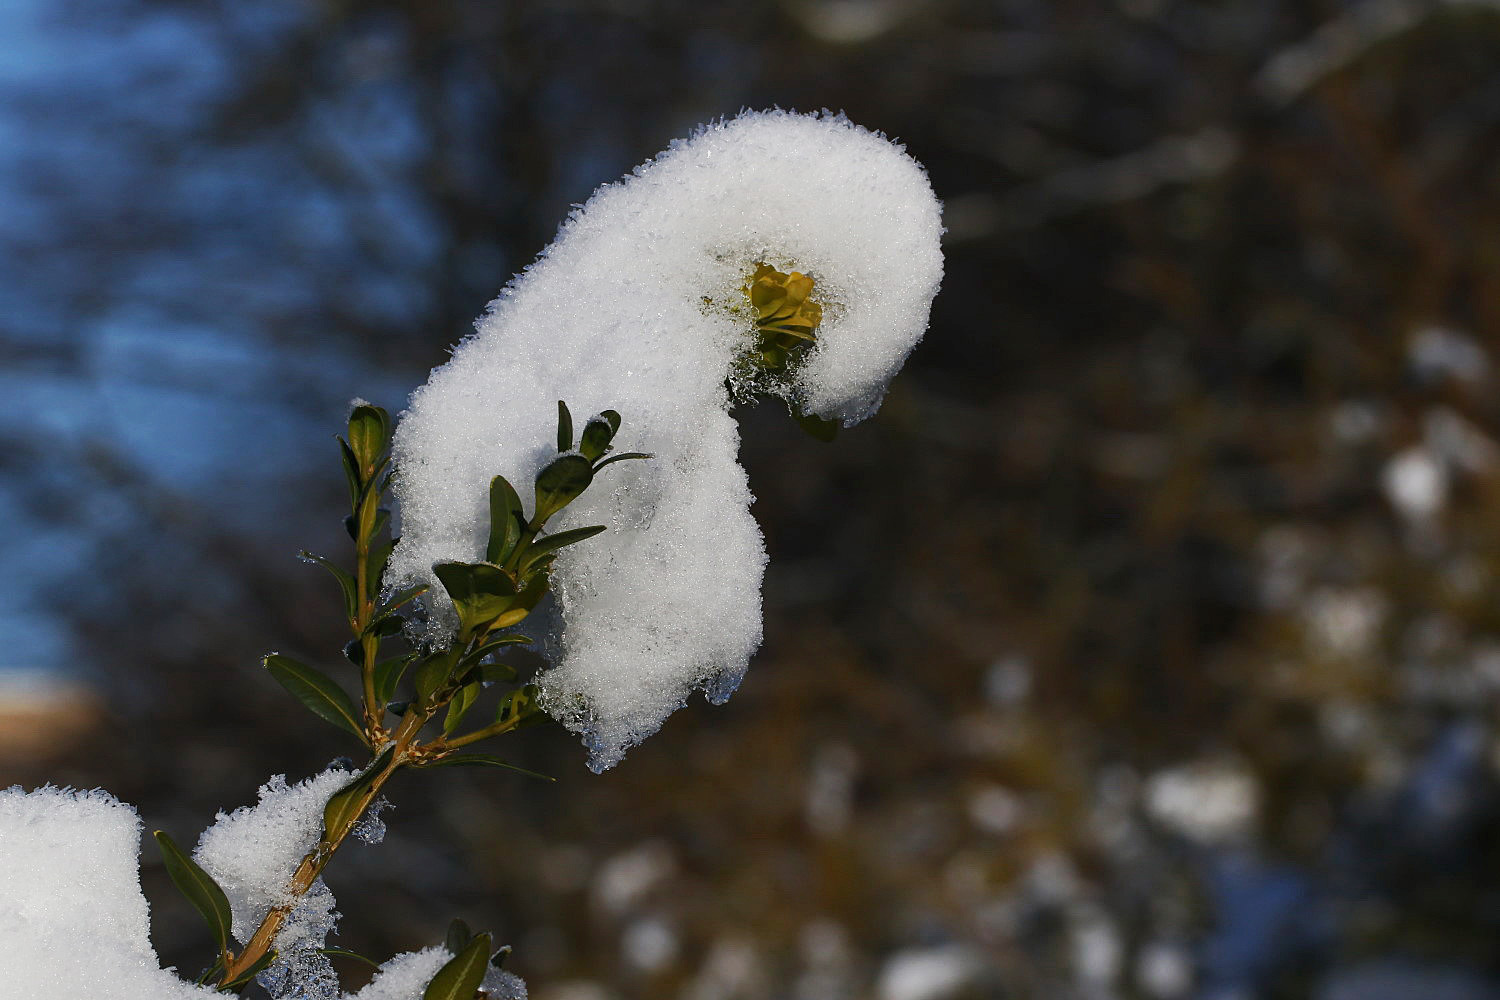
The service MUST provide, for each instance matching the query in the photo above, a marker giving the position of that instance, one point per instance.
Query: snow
(405, 977)
(633, 308)
(252, 854)
(72, 915)
(502, 985)
(253, 851)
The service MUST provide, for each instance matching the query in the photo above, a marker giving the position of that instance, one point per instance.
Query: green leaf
(497, 671)
(432, 675)
(551, 543)
(489, 646)
(346, 582)
(463, 700)
(368, 516)
(211, 972)
(484, 760)
(623, 456)
(386, 626)
(560, 482)
(461, 978)
(597, 434)
(458, 936)
(346, 804)
(351, 473)
(564, 427)
(369, 431)
(536, 587)
(388, 675)
(199, 888)
(481, 592)
(816, 426)
(403, 597)
(346, 953)
(375, 564)
(520, 707)
(505, 520)
(322, 696)
(244, 978)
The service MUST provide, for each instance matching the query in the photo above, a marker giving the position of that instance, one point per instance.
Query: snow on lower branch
(632, 308)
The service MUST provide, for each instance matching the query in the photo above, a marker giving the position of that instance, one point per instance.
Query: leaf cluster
(400, 693)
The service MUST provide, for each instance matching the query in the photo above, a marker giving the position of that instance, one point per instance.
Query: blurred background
(1145, 645)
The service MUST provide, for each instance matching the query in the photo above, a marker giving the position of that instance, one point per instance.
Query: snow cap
(637, 307)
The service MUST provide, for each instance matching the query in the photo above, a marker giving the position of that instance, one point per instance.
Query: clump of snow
(632, 308)
(253, 852)
(371, 828)
(406, 976)
(72, 917)
(501, 985)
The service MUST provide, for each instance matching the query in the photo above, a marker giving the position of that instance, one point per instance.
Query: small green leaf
(597, 434)
(536, 587)
(369, 431)
(560, 482)
(551, 543)
(564, 427)
(461, 978)
(346, 953)
(497, 671)
(375, 564)
(211, 972)
(388, 675)
(386, 626)
(458, 936)
(199, 888)
(816, 426)
(244, 978)
(322, 696)
(484, 760)
(346, 804)
(480, 592)
(463, 700)
(351, 473)
(432, 675)
(520, 707)
(346, 582)
(487, 647)
(623, 456)
(369, 515)
(403, 597)
(505, 520)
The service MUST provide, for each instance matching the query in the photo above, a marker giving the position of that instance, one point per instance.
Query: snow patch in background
(627, 310)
